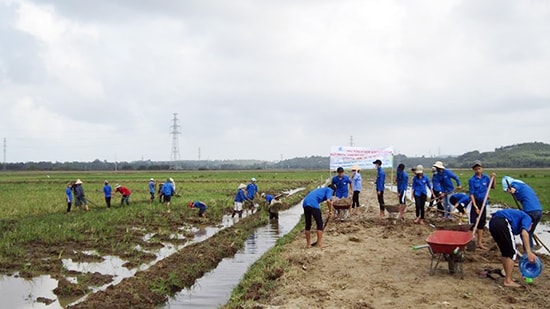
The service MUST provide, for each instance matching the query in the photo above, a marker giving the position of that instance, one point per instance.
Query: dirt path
(369, 263)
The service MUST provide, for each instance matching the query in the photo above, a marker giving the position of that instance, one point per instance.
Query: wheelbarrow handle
(420, 246)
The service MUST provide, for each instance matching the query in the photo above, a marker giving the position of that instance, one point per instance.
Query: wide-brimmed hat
(262, 195)
(439, 164)
(242, 186)
(419, 169)
(253, 179)
(117, 186)
(476, 163)
(355, 168)
(171, 179)
(78, 182)
(106, 181)
(152, 179)
(377, 162)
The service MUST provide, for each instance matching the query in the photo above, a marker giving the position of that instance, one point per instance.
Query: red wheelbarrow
(447, 245)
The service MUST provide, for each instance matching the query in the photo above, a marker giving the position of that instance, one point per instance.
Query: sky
(270, 80)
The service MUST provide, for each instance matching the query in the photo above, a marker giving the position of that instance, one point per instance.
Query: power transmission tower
(351, 141)
(174, 130)
(4, 165)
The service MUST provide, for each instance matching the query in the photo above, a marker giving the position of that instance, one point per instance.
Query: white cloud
(248, 77)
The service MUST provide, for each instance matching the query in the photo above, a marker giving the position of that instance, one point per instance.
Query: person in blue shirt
(273, 204)
(444, 177)
(240, 198)
(460, 202)
(529, 200)
(356, 186)
(107, 192)
(479, 185)
(79, 196)
(251, 192)
(168, 191)
(402, 180)
(200, 205)
(380, 180)
(312, 208)
(420, 185)
(342, 183)
(504, 224)
(437, 197)
(152, 189)
(69, 196)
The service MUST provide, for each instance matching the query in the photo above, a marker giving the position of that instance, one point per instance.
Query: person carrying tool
(420, 185)
(125, 192)
(460, 202)
(80, 198)
(479, 186)
(107, 192)
(402, 180)
(312, 208)
(380, 180)
(200, 205)
(529, 200)
(437, 197)
(444, 177)
(504, 224)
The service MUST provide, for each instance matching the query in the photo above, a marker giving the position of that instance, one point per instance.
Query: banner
(346, 157)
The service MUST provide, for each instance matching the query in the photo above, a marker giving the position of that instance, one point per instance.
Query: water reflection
(214, 288)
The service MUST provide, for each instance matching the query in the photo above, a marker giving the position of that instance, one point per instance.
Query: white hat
(117, 186)
(171, 179)
(439, 164)
(419, 169)
(262, 195)
(78, 182)
(242, 186)
(355, 168)
(152, 179)
(253, 179)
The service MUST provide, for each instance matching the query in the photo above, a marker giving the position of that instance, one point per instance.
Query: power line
(4, 165)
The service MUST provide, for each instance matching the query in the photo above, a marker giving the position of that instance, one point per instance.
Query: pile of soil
(368, 262)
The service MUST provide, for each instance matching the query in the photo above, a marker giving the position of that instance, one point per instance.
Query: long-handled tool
(535, 236)
(483, 206)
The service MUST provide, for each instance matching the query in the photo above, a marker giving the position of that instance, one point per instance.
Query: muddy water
(214, 288)
(16, 292)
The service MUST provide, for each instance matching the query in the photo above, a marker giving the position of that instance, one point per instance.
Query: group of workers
(503, 225)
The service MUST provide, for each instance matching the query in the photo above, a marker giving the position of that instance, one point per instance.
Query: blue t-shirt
(402, 181)
(518, 219)
(444, 178)
(526, 196)
(316, 197)
(168, 189)
(420, 185)
(151, 187)
(268, 198)
(240, 197)
(435, 182)
(479, 186)
(200, 205)
(461, 198)
(69, 193)
(107, 190)
(342, 185)
(380, 179)
(251, 190)
(356, 182)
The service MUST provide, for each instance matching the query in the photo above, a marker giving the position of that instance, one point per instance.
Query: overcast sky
(85, 80)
